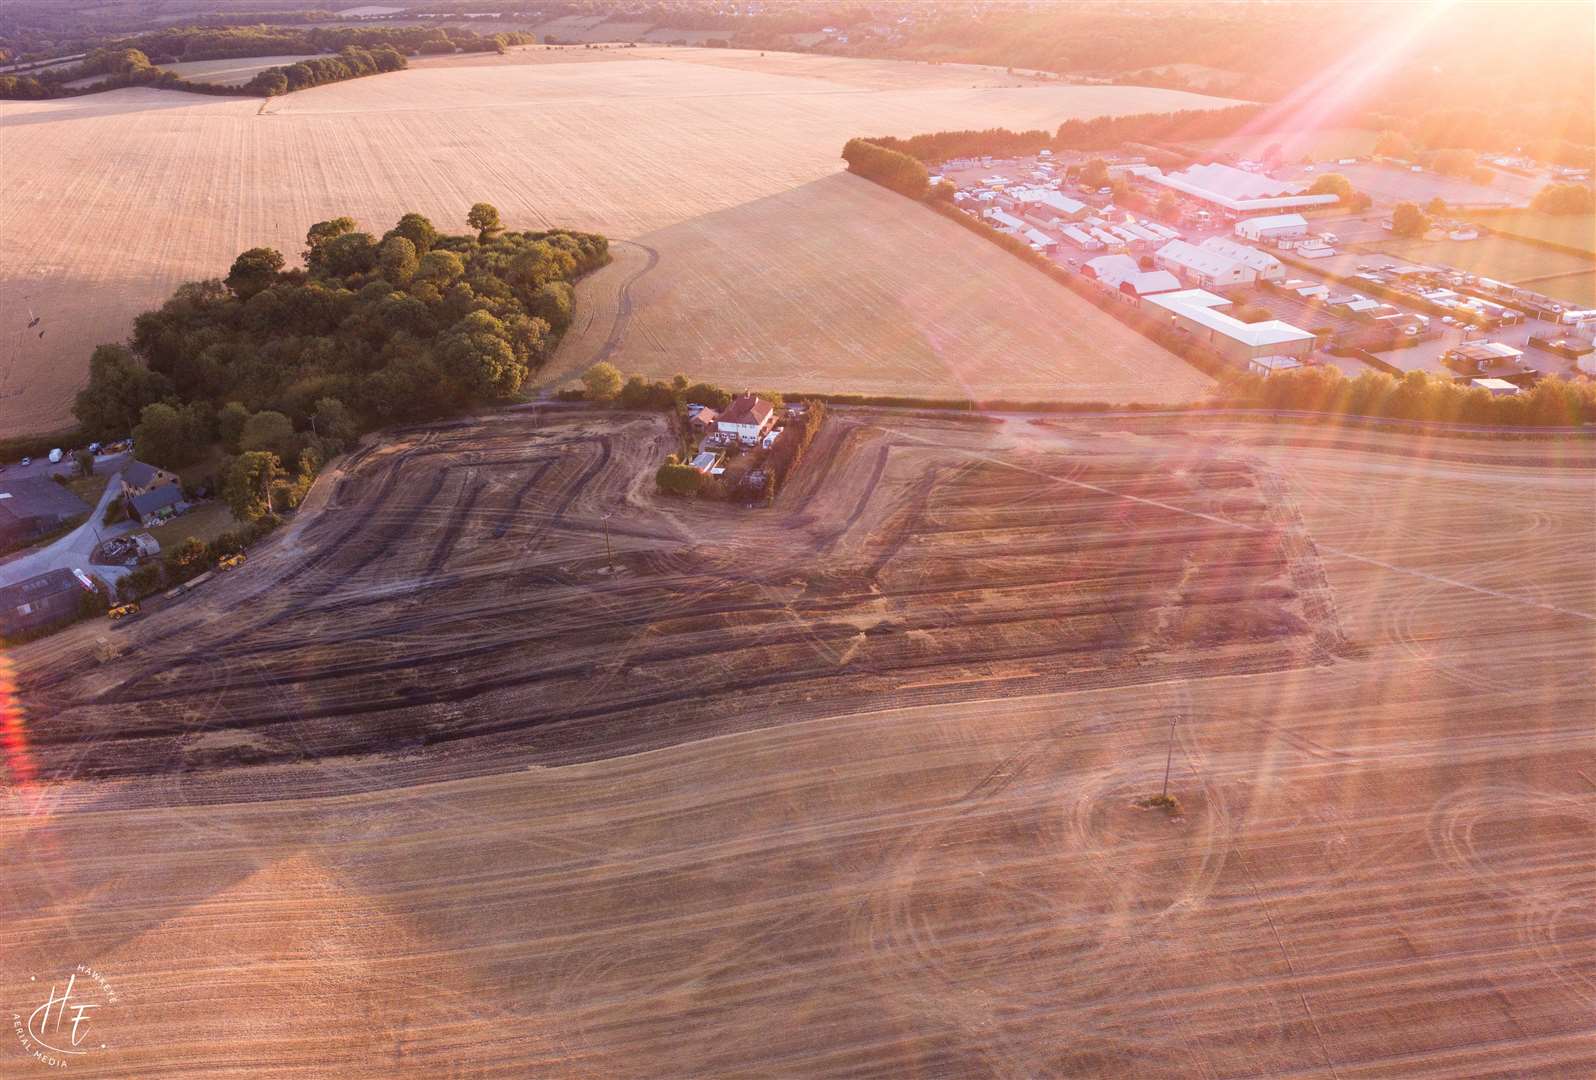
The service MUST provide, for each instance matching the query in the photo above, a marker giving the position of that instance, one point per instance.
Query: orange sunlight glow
(16, 761)
(1345, 82)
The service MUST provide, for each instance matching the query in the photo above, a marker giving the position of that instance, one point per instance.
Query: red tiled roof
(747, 409)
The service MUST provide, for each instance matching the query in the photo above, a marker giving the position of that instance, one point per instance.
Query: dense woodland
(292, 363)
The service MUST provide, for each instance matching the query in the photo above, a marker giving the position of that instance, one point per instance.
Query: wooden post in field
(1170, 756)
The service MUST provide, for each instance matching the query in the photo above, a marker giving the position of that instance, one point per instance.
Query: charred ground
(454, 587)
(850, 786)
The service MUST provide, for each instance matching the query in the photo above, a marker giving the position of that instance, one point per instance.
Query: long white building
(1201, 266)
(1265, 267)
(1045, 202)
(1272, 227)
(1197, 311)
(1238, 190)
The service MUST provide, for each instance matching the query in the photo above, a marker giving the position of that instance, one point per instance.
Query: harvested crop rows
(115, 198)
(846, 786)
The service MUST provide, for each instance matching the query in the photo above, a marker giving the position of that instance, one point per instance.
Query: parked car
(26, 462)
(55, 456)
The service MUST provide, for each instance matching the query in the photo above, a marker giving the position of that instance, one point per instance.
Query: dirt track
(847, 786)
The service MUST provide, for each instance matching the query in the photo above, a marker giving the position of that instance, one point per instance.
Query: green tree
(230, 420)
(1436, 207)
(1168, 207)
(396, 260)
(254, 270)
(187, 559)
(169, 437)
(476, 353)
(333, 420)
(675, 478)
(1408, 220)
(119, 389)
(85, 462)
(271, 431)
(418, 230)
(345, 255)
(1094, 174)
(484, 218)
(250, 479)
(553, 302)
(1333, 184)
(439, 267)
(602, 381)
(323, 231)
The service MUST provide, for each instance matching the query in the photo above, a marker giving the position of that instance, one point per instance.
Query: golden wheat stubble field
(847, 787)
(115, 198)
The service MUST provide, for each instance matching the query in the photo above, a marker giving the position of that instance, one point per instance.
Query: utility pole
(1169, 757)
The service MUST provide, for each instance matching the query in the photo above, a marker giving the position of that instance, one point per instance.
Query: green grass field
(206, 522)
(1573, 230)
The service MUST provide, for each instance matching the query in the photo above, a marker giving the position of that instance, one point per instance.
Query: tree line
(1416, 396)
(210, 43)
(1097, 133)
(349, 54)
(352, 62)
(889, 168)
(284, 366)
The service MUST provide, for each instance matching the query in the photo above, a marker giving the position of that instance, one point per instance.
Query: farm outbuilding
(1265, 267)
(1197, 312)
(33, 506)
(41, 601)
(1272, 227)
(1203, 266)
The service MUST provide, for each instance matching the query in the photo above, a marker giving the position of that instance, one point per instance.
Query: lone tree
(1095, 173)
(484, 218)
(603, 382)
(1408, 220)
(247, 488)
(1333, 183)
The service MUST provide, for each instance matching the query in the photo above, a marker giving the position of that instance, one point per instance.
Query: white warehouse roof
(1259, 225)
(1198, 305)
(1236, 189)
(1201, 259)
(1117, 270)
(1261, 261)
(1047, 197)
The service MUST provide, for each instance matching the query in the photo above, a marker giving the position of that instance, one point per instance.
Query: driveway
(72, 550)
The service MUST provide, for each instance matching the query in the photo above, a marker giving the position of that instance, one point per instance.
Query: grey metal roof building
(32, 506)
(40, 601)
